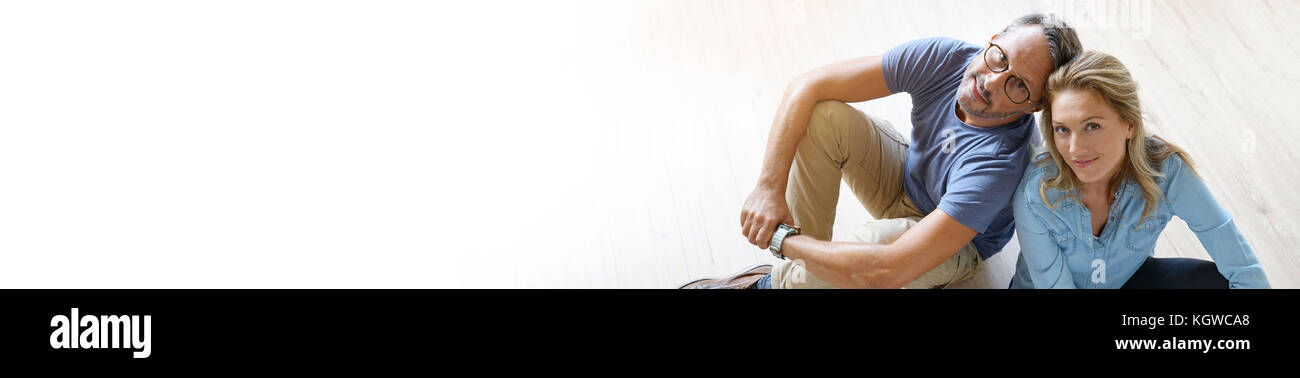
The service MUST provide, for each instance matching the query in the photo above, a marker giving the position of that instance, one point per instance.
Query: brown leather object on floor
(735, 281)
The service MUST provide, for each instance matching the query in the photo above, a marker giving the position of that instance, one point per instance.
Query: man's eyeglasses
(996, 60)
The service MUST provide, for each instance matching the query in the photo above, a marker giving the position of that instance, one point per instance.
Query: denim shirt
(1060, 251)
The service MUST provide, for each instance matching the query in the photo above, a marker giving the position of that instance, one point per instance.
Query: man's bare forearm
(845, 265)
(787, 129)
(935, 238)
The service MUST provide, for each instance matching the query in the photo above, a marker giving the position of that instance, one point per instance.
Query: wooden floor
(556, 144)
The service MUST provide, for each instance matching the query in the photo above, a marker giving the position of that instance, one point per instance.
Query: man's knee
(828, 106)
(883, 231)
(827, 114)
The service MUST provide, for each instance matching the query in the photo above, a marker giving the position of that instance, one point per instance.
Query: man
(942, 202)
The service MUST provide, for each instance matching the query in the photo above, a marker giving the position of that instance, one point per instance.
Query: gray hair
(1062, 43)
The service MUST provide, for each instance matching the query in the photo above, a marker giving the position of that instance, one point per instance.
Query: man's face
(987, 94)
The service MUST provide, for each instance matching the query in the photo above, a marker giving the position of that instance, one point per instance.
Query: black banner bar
(290, 326)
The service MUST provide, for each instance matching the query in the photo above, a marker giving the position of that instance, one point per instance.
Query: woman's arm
(1047, 265)
(1191, 200)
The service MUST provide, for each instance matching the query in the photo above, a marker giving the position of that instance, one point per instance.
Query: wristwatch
(782, 231)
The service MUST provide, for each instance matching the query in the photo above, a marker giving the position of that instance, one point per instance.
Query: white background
(233, 144)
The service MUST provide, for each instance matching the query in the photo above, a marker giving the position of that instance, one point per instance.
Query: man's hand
(763, 210)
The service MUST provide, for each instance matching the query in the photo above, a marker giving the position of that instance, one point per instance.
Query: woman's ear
(1131, 129)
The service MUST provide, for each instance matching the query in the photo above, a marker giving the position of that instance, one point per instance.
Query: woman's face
(1089, 134)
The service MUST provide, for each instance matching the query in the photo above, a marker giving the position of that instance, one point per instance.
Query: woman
(1089, 210)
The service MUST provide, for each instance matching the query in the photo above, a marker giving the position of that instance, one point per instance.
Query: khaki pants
(869, 155)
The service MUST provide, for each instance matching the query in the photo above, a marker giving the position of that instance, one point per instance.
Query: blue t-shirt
(970, 172)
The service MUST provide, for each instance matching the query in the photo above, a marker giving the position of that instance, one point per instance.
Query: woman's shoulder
(1041, 168)
(1039, 208)
(1039, 165)
(1172, 164)
(1171, 167)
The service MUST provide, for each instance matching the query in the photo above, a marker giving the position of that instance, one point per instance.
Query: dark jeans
(1165, 273)
(1177, 273)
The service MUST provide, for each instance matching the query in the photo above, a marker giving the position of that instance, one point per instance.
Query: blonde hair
(1105, 77)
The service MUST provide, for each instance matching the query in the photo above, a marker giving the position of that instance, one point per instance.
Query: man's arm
(850, 81)
(934, 239)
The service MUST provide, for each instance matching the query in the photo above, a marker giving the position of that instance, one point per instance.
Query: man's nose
(994, 83)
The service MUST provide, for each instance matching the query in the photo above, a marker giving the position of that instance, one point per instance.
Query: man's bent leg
(843, 143)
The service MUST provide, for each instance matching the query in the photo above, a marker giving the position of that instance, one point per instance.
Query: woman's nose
(1076, 145)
